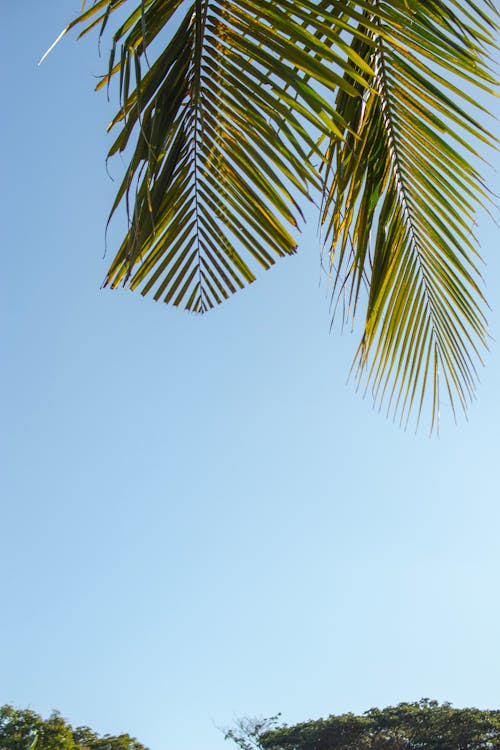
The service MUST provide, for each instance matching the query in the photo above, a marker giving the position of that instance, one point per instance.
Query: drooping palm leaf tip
(252, 106)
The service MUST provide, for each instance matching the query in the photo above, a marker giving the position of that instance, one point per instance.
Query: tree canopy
(22, 729)
(424, 725)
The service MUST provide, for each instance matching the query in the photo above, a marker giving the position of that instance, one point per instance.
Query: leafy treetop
(20, 728)
(424, 725)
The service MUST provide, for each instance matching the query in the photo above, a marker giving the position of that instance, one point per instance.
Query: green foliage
(247, 732)
(23, 729)
(426, 725)
(251, 109)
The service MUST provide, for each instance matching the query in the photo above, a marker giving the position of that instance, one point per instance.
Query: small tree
(23, 729)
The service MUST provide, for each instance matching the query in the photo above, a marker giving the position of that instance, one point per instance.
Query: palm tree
(250, 108)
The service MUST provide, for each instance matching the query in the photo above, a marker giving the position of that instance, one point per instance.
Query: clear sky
(200, 520)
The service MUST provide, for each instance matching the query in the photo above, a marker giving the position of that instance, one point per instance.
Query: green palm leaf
(399, 203)
(223, 123)
(252, 107)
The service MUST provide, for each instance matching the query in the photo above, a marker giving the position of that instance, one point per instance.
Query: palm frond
(223, 123)
(252, 107)
(400, 197)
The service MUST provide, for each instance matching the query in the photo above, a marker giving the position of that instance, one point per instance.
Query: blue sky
(201, 521)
